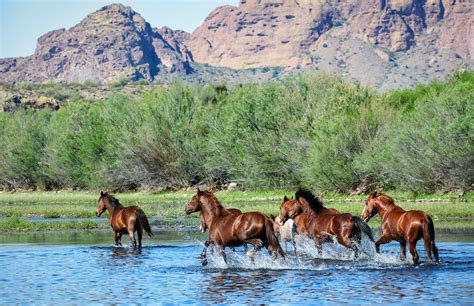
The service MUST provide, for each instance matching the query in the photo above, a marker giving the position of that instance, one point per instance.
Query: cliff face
(287, 32)
(109, 44)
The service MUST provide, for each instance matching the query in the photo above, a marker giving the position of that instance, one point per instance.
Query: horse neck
(308, 210)
(384, 208)
(211, 211)
(112, 206)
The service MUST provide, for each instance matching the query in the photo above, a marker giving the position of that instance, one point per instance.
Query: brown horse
(124, 220)
(402, 226)
(300, 220)
(228, 229)
(323, 223)
(203, 227)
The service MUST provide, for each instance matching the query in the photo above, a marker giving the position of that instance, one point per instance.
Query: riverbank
(20, 209)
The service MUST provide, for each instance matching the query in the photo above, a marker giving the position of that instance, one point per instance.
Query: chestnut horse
(300, 220)
(323, 223)
(124, 220)
(228, 229)
(203, 227)
(402, 226)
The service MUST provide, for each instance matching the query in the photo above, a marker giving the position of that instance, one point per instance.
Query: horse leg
(116, 238)
(318, 241)
(414, 253)
(294, 245)
(346, 241)
(435, 251)
(204, 250)
(384, 239)
(131, 234)
(256, 246)
(119, 238)
(139, 236)
(403, 249)
(222, 251)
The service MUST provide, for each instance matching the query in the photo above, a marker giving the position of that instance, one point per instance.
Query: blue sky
(23, 21)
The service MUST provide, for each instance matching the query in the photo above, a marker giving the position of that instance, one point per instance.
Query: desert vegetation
(312, 130)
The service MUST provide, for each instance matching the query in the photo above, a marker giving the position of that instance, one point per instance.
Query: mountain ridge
(383, 43)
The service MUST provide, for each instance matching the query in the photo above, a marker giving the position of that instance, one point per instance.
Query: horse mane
(216, 205)
(383, 197)
(313, 200)
(113, 200)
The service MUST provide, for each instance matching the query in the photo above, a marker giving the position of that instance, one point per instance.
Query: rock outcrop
(285, 32)
(112, 43)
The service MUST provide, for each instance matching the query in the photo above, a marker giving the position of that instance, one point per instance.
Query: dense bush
(311, 130)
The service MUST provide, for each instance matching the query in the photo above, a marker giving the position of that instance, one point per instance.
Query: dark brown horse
(401, 225)
(228, 229)
(124, 220)
(323, 223)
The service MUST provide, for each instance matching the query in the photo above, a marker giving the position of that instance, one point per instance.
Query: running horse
(203, 227)
(124, 220)
(300, 220)
(401, 225)
(227, 229)
(322, 223)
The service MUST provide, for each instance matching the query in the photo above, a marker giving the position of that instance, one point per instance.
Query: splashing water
(333, 256)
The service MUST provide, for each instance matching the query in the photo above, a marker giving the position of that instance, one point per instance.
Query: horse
(286, 232)
(322, 223)
(300, 220)
(229, 230)
(203, 227)
(124, 220)
(402, 226)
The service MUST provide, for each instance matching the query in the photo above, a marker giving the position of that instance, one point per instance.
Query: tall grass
(311, 130)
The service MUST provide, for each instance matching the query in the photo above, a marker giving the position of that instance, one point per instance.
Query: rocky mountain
(111, 43)
(384, 43)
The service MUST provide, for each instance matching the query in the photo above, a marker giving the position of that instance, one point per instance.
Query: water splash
(333, 256)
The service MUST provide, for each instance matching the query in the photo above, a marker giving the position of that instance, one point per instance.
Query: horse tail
(144, 222)
(363, 227)
(429, 238)
(271, 237)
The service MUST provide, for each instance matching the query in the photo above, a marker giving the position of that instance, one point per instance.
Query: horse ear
(285, 199)
(102, 193)
(199, 192)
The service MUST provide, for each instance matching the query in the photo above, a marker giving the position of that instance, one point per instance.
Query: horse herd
(303, 215)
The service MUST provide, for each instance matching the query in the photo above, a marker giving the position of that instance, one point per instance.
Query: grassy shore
(449, 210)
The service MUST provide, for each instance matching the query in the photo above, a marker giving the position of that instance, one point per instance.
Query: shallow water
(78, 267)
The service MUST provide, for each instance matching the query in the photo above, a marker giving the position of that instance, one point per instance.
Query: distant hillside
(384, 43)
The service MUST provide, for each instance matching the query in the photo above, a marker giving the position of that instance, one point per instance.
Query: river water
(84, 267)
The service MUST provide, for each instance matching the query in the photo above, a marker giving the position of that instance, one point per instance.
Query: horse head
(289, 208)
(101, 207)
(370, 208)
(195, 204)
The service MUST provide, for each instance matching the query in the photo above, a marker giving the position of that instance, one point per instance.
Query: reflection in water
(253, 285)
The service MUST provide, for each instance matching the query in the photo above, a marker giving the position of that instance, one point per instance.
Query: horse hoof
(204, 262)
